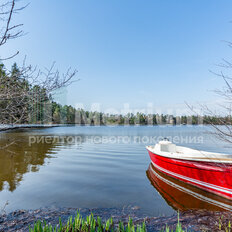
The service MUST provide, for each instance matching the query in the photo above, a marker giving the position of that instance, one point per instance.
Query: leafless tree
(219, 117)
(24, 88)
(7, 30)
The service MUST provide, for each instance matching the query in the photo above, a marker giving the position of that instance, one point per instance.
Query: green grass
(92, 224)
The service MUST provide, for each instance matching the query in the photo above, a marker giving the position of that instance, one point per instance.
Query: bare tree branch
(25, 90)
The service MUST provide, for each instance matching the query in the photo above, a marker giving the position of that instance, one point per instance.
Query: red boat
(209, 171)
(182, 196)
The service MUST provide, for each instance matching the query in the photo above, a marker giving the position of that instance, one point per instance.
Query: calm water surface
(104, 167)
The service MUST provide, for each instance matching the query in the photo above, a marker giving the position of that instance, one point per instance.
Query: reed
(177, 229)
(92, 224)
(88, 224)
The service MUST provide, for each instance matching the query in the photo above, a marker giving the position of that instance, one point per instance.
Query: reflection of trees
(18, 158)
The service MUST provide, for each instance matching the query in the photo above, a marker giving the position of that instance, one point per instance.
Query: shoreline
(6, 128)
(201, 220)
(16, 127)
(31, 126)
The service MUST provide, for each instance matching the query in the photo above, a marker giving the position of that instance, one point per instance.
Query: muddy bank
(193, 221)
(29, 126)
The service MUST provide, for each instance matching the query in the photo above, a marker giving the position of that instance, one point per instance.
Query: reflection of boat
(206, 170)
(182, 196)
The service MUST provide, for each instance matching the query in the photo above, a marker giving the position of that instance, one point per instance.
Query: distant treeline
(69, 115)
(23, 101)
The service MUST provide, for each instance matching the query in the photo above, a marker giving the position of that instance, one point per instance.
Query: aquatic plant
(177, 229)
(88, 224)
(95, 224)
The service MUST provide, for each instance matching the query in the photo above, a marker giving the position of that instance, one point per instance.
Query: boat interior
(168, 149)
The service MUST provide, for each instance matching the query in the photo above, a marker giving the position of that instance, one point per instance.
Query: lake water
(84, 166)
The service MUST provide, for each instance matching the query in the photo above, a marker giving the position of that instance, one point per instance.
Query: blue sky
(129, 51)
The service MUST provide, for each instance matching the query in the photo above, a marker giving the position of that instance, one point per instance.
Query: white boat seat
(166, 146)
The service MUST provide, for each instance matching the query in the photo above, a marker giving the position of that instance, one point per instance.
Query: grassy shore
(113, 219)
(92, 224)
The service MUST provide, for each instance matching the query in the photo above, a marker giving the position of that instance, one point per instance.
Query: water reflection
(182, 196)
(24, 151)
(18, 158)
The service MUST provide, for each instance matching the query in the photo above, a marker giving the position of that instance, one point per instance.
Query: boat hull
(183, 197)
(210, 176)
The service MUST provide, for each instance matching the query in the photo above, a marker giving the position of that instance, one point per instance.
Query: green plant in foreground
(224, 225)
(178, 227)
(91, 224)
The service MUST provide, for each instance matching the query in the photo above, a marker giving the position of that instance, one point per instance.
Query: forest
(25, 102)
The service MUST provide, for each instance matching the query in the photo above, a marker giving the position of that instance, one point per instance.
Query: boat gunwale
(174, 155)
